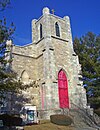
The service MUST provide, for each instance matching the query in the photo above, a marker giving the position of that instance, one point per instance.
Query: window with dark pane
(40, 31)
(57, 29)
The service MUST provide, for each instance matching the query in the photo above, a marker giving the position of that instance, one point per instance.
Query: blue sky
(84, 14)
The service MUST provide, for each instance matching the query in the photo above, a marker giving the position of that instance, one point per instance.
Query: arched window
(24, 77)
(57, 29)
(40, 31)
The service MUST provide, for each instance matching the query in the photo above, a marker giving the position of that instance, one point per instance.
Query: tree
(9, 84)
(4, 4)
(8, 78)
(8, 81)
(88, 49)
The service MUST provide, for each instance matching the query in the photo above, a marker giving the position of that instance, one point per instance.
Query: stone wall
(22, 63)
(27, 50)
(42, 60)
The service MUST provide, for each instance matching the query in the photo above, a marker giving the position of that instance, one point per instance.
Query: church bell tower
(60, 84)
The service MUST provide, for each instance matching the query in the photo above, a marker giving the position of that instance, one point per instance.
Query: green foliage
(61, 120)
(88, 49)
(8, 78)
(97, 111)
(6, 32)
(4, 4)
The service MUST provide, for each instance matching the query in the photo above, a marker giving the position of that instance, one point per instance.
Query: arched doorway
(63, 90)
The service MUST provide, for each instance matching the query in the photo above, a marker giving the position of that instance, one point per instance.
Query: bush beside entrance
(9, 120)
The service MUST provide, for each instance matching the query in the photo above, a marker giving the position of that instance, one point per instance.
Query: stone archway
(63, 90)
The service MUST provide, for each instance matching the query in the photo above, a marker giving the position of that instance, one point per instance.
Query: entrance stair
(83, 120)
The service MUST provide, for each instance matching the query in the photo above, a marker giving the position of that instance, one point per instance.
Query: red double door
(63, 90)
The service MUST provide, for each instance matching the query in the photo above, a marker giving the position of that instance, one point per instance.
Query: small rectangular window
(40, 31)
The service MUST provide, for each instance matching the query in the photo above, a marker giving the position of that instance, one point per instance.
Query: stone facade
(42, 60)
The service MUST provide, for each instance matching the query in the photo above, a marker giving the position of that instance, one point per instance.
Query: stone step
(81, 120)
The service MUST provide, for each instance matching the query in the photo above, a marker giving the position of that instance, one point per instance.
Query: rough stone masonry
(51, 62)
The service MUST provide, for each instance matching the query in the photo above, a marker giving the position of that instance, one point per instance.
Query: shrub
(97, 111)
(61, 120)
(9, 120)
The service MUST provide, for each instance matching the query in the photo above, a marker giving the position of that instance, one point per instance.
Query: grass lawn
(47, 125)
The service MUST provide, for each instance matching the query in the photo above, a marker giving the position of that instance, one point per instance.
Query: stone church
(51, 62)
